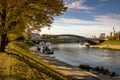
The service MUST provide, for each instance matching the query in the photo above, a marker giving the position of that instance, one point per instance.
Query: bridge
(89, 40)
(71, 36)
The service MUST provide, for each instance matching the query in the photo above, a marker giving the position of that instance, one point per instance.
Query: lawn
(19, 64)
(111, 42)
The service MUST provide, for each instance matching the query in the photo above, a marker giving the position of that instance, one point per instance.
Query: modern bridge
(89, 40)
(77, 37)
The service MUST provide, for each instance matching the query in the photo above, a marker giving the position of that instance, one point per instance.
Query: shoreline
(74, 73)
(106, 46)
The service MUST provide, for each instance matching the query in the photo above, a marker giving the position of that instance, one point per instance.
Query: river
(76, 54)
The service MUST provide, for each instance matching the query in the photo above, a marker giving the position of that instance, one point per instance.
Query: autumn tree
(114, 35)
(102, 36)
(17, 16)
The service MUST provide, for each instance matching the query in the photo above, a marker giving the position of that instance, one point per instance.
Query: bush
(85, 67)
(98, 69)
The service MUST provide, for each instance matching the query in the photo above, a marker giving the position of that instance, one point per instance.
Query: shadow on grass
(12, 77)
(43, 70)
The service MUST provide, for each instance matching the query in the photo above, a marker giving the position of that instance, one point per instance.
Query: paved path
(73, 72)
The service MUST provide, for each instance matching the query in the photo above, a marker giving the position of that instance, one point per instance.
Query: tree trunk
(3, 39)
(3, 42)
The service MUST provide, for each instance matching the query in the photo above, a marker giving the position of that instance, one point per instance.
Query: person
(48, 48)
(44, 47)
(41, 46)
(48, 45)
(38, 48)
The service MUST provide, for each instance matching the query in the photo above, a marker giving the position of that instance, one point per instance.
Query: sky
(87, 18)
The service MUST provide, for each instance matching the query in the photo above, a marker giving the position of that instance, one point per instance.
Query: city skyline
(87, 18)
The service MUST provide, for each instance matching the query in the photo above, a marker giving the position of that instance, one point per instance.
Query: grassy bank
(109, 44)
(19, 64)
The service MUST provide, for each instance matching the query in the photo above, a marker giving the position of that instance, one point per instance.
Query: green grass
(111, 42)
(19, 64)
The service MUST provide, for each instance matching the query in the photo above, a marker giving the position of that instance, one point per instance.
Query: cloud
(77, 21)
(86, 31)
(78, 4)
(103, 0)
(110, 19)
(100, 24)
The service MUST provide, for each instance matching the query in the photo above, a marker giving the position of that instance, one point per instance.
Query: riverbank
(17, 63)
(72, 72)
(109, 44)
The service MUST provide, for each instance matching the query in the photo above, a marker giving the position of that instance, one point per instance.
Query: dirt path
(73, 72)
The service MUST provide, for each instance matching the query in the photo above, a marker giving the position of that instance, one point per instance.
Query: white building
(35, 37)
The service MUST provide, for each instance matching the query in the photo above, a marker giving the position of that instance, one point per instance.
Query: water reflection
(76, 54)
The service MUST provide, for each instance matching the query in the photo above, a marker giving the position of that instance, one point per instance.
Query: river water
(76, 54)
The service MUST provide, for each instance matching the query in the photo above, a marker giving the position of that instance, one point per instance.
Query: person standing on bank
(41, 46)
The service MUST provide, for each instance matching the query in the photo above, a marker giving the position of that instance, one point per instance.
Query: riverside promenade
(72, 72)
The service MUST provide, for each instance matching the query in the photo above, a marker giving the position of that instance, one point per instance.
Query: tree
(102, 36)
(17, 16)
(114, 35)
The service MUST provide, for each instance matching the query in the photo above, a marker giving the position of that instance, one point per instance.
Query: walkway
(73, 72)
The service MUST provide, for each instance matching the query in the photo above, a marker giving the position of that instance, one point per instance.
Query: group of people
(44, 47)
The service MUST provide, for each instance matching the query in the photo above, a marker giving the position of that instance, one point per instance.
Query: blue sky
(87, 17)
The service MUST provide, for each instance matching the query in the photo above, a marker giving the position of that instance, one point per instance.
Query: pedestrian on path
(41, 46)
